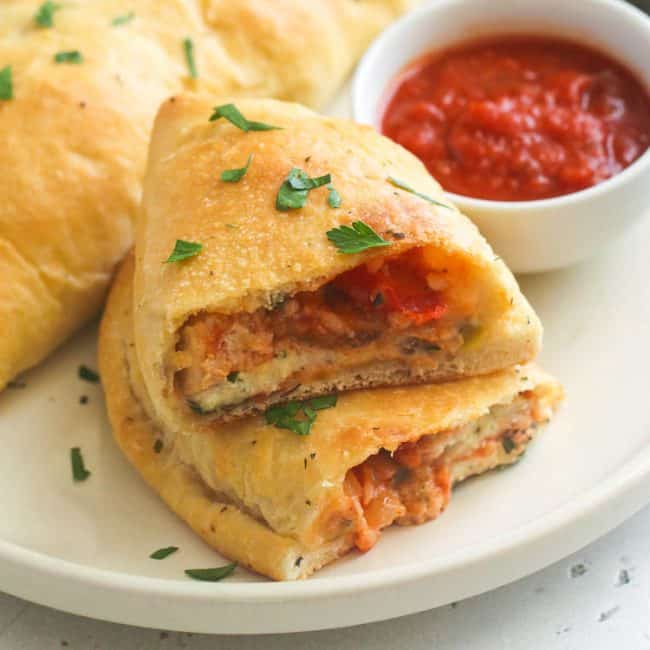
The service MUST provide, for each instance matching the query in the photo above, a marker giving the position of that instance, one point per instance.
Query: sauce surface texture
(519, 118)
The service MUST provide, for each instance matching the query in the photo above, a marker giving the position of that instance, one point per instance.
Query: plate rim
(632, 479)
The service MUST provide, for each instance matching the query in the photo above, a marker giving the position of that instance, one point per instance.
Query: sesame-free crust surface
(73, 138)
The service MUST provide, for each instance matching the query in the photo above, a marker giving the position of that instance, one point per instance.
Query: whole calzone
(80, 83)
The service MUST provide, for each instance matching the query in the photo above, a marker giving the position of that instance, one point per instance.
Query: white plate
(84, 548)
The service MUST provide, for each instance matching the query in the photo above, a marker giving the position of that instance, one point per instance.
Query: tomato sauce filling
(399, 296)
(520, 118)
(413, 485)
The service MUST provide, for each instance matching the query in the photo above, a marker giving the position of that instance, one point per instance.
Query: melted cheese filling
(413, 484)
(402, 315)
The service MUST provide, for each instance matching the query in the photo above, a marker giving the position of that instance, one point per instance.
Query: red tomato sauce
(519, 118)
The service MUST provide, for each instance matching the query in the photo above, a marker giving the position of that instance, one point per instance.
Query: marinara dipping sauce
(519, 118)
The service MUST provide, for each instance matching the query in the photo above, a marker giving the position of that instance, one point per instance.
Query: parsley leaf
(88, 374)
(70, 56)
(508, 444)
(298, 416)
(333, 198)
(211, 575)
(235, 175)
(231, 113)
(407, 188)
(184, 249)
(188, 47)
(6, 83)
(355, 239)
(295, 188)
(158, 445)
(79, 471)
(162, 553)
(44, 17)
(232, 376)
(123, 20)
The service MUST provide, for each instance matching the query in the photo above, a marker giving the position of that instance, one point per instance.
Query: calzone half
(332, 262)
(285, 504)
(80, 83)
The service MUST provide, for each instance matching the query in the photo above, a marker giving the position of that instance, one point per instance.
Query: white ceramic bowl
(529, 235)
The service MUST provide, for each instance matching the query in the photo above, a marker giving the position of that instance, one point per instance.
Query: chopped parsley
(158, 446)
(231, 113)
(211, 575)
(333, 198)
(79, 471)
(235, 175)
(407, 188)
(295, 188)
(233, 376)
(299, 416)
(118, 21)
(44, 17)
(508, 444)
(69, 56)
(162, 553)
(88, 374)
(183, 250)
(188, 48)
(355, 239)
(6, 83)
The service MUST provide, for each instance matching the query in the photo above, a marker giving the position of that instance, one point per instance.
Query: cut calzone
(284, 504)
(80, 83)
(332, 261)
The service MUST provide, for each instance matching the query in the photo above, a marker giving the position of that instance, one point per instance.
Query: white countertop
(597, 599)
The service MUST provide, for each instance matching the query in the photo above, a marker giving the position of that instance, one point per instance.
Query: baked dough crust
(244, 487)
(252, 253)
(73, 140)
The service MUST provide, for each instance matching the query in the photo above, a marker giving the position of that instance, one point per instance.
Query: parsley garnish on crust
(299, 416)
(44, 17)
(183, 250)
(356, 238)
(295, 188)
(231, 113)
(188, 48)
(407, 188)
(235, 175)
(69, 56)
(6, 84)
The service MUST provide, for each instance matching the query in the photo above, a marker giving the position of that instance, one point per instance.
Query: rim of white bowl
(640, 166)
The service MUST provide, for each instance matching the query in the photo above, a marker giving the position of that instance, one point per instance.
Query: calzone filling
(413, 484)
(407, 309)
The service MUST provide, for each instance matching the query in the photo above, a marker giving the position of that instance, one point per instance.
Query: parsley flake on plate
(183, 250)
(6, 84)
(88, 374)
(69, 56)
(79, 471)
(162, 553)
(44, 17)
(235, 175)
(211, 575)
(298, 416)
(118, 21)
(188, 48)
(231, 113)
(407, 188)
(356, 238)
(296, 187)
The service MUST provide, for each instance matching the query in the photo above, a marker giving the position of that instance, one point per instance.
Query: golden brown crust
(262, 473)
(73, 138)
(253, 253)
